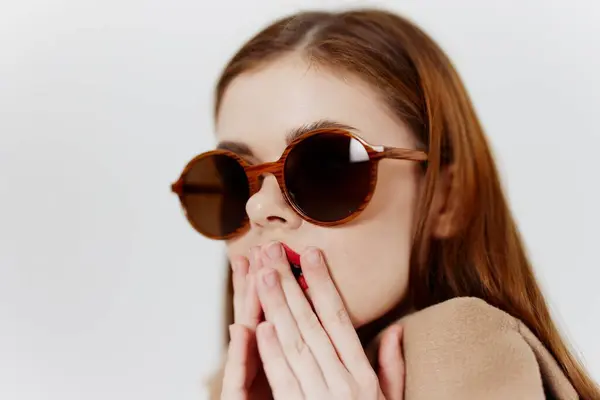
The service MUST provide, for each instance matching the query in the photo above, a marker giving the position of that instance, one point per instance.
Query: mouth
(294, 260)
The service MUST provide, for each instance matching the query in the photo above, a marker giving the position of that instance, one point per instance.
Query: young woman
(373, 252)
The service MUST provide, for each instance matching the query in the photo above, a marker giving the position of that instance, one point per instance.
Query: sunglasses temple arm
(191, 188)
(399, 154)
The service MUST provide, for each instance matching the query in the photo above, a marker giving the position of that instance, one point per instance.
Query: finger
(239, 266)
(391, 364)
(236, 378)
(297, 353)
(282, 381)
(333, 315)
(309, 325)
(252, 312)
(255, 259)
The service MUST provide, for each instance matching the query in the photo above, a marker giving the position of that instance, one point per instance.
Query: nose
(267, 209)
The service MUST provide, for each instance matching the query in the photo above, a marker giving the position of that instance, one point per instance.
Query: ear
(445, 205)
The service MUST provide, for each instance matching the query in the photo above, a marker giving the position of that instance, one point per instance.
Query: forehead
(261, 107)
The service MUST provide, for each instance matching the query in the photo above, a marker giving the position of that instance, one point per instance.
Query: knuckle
(308, 319)
(297, 348)
(341, 316)
(300, 348)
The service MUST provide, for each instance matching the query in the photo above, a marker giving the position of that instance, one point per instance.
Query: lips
(294, 260)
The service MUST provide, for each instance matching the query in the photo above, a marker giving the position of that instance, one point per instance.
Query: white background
(106, 292)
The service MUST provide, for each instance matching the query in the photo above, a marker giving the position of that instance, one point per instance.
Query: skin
(258, 110)
(364, 264)
(305, 353)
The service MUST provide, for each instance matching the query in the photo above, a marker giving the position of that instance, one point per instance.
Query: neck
(369, 331)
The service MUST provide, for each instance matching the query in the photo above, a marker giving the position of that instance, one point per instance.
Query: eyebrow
(243, 149)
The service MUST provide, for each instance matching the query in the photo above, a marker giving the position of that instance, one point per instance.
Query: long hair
(485, 256)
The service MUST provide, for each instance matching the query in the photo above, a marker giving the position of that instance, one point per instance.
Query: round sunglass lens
(328, 176)
(215, 192)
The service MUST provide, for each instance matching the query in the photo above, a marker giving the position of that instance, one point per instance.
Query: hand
(317, 354)
(243, 377)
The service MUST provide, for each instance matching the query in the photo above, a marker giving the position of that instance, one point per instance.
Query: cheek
(372, 265)
(373, 277)
(237, 247)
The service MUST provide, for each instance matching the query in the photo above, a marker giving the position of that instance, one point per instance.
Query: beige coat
(466, 349)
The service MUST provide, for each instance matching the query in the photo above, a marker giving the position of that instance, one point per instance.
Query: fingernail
(274, 251)
(313, 256)
(270, 278)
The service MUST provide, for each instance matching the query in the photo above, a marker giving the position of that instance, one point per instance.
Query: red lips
(292, 256)
(294, 260)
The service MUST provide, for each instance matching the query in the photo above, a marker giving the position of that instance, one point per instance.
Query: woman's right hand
(244, 377)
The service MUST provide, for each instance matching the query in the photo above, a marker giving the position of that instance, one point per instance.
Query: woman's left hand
(317, 354)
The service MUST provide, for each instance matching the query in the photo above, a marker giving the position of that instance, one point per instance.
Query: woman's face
(368, 258)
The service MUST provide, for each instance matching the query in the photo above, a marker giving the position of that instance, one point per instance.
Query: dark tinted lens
(215, 194)
(328, 176)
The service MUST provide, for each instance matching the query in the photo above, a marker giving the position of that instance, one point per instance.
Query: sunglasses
(327, 176)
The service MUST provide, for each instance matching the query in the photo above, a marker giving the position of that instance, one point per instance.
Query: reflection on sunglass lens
(328, 176)
(215, 192)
